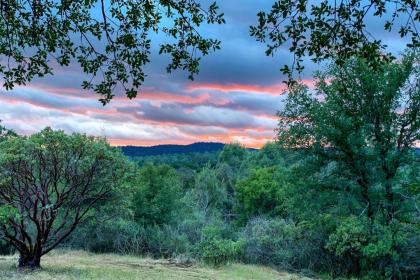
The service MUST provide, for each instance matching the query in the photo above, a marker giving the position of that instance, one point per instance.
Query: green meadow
(66, 265)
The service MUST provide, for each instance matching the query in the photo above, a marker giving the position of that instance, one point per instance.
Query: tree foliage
(262, 193)
(289, 208)
(362, 127)
(49, 182)
(334, 30)
(110, 40)
(157, 196)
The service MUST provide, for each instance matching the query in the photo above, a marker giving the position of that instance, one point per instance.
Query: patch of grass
(82, 265)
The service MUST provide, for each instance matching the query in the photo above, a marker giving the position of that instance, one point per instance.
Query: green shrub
(220, 251)
(216, 250)
(270, 241)
(262, 193)
(157, 195)
(162, 241)
(349, 238)
(111, 235)
(370, 250)
(285, 244)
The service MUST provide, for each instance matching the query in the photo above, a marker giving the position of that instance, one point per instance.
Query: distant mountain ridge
(199, 147)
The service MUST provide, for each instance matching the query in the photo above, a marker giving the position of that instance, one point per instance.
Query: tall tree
(336, 29)
(110, 40)
(49, 182)
(156, 198)
(364, 123)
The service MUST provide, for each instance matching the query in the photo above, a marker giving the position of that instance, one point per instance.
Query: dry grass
(81, 265)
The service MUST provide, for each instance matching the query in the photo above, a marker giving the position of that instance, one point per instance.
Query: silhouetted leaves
(110, 40)
(334, 30)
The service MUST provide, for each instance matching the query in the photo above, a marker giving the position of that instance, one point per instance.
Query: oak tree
(49, 183)
(362, 124)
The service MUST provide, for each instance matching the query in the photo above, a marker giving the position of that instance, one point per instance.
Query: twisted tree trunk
(30, 261)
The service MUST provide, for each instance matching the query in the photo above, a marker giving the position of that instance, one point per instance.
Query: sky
(234, 99)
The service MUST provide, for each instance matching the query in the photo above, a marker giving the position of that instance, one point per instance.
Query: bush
(371, 250)
(157, 195)
(220, 251)
(270, 241)
(113, 235)
(285, 244)
(215, 250)
(349, 238)
(262, 193)
(348, 242)
(410, 252)
(162, 241)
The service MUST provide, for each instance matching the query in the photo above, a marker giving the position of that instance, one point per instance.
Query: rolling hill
(199, 147)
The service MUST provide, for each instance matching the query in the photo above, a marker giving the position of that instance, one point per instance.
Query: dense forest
(336, 194)
(135, 151)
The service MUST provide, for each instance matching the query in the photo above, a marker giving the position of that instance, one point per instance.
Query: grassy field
(82, 265)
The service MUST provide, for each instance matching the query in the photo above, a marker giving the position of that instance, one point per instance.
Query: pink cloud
(207, 116)
(275, 89)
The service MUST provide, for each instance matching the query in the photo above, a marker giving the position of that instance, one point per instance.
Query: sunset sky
(233, 99)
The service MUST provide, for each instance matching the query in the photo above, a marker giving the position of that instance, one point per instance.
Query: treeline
(235, 207)
(199, 147)
(272, 206)
(338, 193)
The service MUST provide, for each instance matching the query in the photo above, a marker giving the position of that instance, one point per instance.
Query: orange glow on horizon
(240, 136)
(249, 136)
(276, 89)
(128, 142)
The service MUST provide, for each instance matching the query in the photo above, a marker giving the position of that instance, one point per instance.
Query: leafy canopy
(334, 30)
(49, 183)
(156, 198)
(110, 40)
(360, 126)
(262, 193)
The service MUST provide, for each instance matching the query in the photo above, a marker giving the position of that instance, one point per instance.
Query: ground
(81, 265)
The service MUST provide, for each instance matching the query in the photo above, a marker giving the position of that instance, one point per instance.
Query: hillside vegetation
(82, 265)
(200, 147)
(337, 194)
